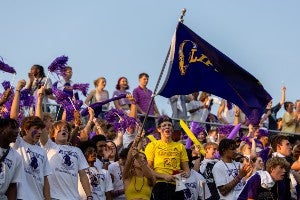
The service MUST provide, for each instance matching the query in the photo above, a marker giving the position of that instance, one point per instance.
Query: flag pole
(183, 11)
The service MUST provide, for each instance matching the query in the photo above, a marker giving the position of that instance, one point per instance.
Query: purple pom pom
(264, 154)
(70, 109)
(58, 65)
(196, 128)
(247, 140)
(83, 87)
(6, 85)
(254, 117)
(63, 99)
(5, 67)
(120, 120)
(92, 134)
(226, 129)
(26, 99)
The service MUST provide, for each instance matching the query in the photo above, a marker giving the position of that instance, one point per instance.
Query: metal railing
(54, 108)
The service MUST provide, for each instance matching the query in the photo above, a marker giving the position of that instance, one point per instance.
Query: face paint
(33, 133)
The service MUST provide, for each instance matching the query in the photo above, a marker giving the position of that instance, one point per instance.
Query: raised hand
(77, 118)
(5, 96)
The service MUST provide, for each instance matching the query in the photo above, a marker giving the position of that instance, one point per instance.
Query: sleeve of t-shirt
(219, 174)
(136, 96)
(47, 168)
(276, 108)
(82, 163)
(17, 177)
(48, 83)
(149, 151)
(184, 157)
(17, 144)
(115, 94)
(108, 182)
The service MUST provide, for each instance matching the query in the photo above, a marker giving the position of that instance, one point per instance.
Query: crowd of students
(107, 155)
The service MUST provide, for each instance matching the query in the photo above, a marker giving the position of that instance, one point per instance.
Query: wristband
(89, 198)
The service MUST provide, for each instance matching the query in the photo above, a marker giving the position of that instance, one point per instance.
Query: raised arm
(85, 182)
(128, 164)
(133, 106)
(16, 101)
(282, 99)
(89, 97)
(39, 104)
(84, 134)
(220, 111)
(5, 96)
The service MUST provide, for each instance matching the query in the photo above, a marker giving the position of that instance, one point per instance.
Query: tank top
(138, 188)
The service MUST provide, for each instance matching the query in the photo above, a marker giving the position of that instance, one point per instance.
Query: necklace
(228, 168)
(138, 190)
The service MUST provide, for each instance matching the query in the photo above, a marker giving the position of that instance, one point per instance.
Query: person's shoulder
(177, 144)
(14, 154)
(113, 165)
(255, 178)
(218, 163)
(136, 89)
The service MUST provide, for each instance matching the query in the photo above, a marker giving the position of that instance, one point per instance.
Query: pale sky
(124, 38)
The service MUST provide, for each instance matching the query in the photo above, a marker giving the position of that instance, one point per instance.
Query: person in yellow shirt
(137, 176)
(167, 159)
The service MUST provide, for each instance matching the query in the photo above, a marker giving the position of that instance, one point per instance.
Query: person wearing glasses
(169, 161)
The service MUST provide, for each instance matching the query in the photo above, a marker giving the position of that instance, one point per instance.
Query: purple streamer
(234, 131)
(5, 67)
(98, 105)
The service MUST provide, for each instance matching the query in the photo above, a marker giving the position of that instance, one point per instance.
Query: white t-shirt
(41, 82)
(128, 138)
(195, 187)
(35, 166)
(11, 170)
(115, 171)
(228, 114)
(224, 173)
(65, 162)
(100, 181)
(98, 164)
(197, 115)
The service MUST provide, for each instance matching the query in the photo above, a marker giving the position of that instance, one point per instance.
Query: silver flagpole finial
(182, 15)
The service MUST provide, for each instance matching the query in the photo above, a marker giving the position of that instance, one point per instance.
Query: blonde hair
(210, 144)
(97, 80)
(275, 161)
